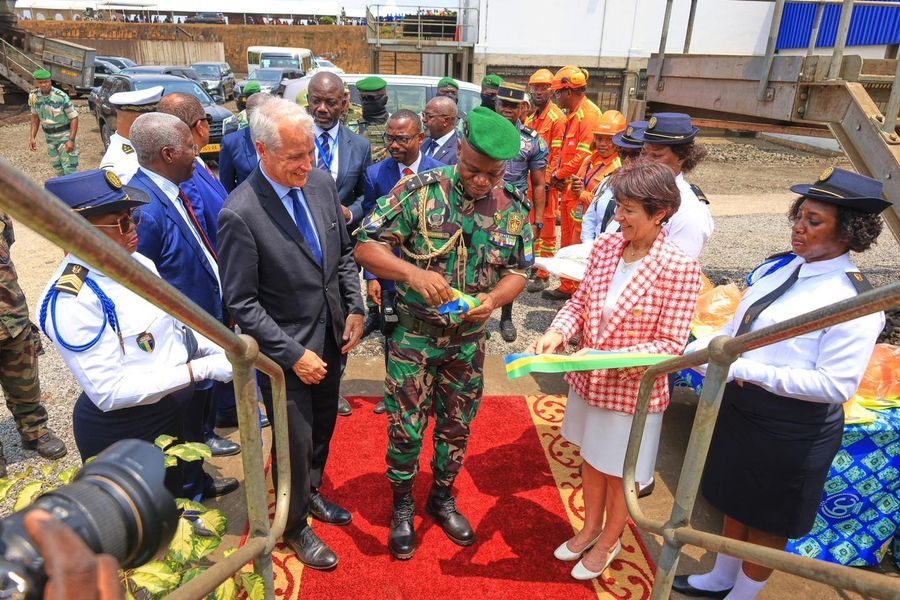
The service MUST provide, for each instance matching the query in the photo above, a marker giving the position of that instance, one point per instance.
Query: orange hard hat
(541, 76)
(569, 77)
(610, 123)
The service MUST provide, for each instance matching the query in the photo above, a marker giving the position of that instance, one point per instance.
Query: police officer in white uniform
(120, 157)
(135, 363)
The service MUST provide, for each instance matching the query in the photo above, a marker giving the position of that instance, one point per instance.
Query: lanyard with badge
(327, 157)
(591, 174)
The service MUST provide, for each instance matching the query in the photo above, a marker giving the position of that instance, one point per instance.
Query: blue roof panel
(869, 26)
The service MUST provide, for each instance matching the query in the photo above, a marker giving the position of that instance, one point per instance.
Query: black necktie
(763, 303)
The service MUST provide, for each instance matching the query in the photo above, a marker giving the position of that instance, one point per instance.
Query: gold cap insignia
(826, 174)
(113, 180)
(629, 131)
(651, 123)
(858, 277)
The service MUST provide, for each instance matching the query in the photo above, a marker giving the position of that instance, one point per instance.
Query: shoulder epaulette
(420, 180)
(778, 255)
(529, 131)
(518, 195)
(72, 279)
(127, 149)
(699, 193)
(858, 281)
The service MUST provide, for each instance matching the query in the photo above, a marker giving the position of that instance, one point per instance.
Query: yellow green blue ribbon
(460, 305)
(518, 365)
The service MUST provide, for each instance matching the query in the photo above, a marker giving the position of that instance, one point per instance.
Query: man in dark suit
(403, 139)
(291, 283)
(440, 121)
(207, 197)
(170, 234)
(237, 156)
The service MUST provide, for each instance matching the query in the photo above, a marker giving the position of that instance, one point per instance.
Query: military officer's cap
(626, 139)
(668, 129)
(490, 134)
(251, 87)
(96, 192)
(447, 81)
(41, 74)
(371, 84)
(846, 189)
(511, 92)
(491, 81)
(139, 101)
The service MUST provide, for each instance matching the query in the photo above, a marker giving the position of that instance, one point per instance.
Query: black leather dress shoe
(264, 421)
(327, 512)
(219, 446)
(647, 489)
(402, 538)
(380, 408)
(681, 585)
(312, 552)
(219, 487)
(344, 409)
(442, 506)
(508, 330)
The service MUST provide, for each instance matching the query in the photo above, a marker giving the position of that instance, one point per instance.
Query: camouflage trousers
(62, 162)
(424, 373)
(21, 386)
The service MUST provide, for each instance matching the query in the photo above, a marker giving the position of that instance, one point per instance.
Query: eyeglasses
(207, 118)
(428, 115)
(125, 222)
(400, 139)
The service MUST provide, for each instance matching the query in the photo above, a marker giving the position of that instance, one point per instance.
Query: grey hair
(256, 100)
(266, 119)
(151, 132)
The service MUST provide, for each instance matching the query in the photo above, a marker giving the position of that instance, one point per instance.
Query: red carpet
(508, 491)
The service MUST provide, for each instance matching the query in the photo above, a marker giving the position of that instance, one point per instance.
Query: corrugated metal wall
(870, 25)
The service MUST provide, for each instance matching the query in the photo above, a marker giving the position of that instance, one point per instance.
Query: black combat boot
(442, 506)
(402, 538)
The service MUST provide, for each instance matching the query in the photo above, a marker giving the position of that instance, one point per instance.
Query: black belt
(58, 128)
(410, 323)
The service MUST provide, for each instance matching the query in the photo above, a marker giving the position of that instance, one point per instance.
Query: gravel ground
(745, 179)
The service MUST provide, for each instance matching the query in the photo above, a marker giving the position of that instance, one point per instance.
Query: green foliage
(27, 494)
(253, 586)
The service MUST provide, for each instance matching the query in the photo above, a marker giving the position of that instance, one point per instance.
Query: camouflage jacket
(54, 109)
(423, 215)
(375, 134)
(13, 309)
(353, 117)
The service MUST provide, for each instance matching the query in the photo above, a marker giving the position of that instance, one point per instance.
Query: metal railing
(17, 64)
(677, 530)
(419, 24)
(46, 215)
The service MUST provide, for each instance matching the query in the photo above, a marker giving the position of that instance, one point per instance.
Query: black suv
(209, 18)
(224, 121)
(186, 72)
(216, 78)
(270, 80)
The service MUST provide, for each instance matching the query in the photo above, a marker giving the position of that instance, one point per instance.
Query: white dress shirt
(283, 192)
(110, 377)
(333, 137)
(691, 226)
(821, 366)
(414, 167)
(171, 191)
(439, 143)
(118, 159)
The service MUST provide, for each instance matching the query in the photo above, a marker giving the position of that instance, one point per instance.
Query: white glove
(214, 366)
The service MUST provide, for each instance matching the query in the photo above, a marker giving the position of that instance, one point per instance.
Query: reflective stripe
(556, 144)
(584, 147)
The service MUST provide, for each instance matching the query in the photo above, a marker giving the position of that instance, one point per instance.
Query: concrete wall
(345, 46)
(157, 52)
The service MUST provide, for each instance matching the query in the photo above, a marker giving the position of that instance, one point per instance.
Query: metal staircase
(16, 67)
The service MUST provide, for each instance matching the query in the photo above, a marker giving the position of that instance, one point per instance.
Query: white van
(268, 57)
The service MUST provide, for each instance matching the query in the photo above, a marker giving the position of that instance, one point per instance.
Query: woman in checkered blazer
(638, 295)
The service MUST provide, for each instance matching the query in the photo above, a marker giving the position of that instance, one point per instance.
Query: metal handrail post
(814, 34)
(690, 27)
(837, 55)
(893, 105)
(661, 55)
(774, 28)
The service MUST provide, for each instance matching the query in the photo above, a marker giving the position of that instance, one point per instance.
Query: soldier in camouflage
(352, 114)
(459, 226)
(374, 98)
(19, 348)
(52, 111)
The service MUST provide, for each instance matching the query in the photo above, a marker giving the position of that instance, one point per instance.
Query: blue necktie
(305, 225)
(324, 150)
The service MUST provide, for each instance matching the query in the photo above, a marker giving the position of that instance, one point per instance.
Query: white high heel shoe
(582, 573)
(563, 553)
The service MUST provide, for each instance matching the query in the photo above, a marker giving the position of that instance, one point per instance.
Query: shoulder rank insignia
(127, 149)
(529, 131)
(420, 180)
(72, 279)
(859, 281)
(699, 193)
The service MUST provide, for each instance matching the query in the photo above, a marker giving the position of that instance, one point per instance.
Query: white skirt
(602, 436)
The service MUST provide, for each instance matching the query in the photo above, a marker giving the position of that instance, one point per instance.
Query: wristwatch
(539, 225)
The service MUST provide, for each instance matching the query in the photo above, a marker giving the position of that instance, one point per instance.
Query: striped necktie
(763, 303)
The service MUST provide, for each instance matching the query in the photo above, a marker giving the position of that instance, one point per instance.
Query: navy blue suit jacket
(207, 197)
(446, 153)
(164, 238)
(237, 158)
(354, 157)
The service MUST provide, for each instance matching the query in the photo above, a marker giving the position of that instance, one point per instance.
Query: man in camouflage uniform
(459, 226)
(352, 114)
(373, 96)
(529, 165)
(19, 349)
(250, 88)
(52, 111)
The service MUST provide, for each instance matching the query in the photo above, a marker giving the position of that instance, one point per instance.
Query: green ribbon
(518, 365)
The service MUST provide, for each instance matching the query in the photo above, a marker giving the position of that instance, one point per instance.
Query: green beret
(491, 81)
(41, 74)
(251, 87)
(445, 81)
(371, 84)
(491, 134)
